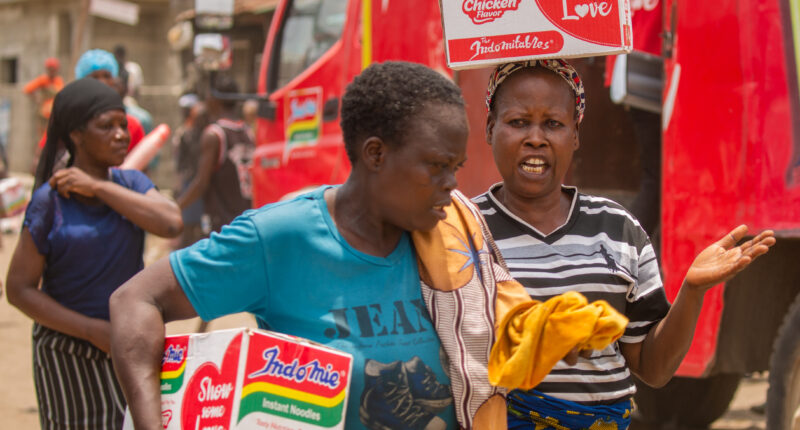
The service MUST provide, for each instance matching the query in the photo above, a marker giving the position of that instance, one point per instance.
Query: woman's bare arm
(24, 275)
(151, 211)
(657, 358)
(139, 309)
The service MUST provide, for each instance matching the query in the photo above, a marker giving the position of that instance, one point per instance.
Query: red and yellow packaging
(481, 33)
(248, 379)
(13, 197)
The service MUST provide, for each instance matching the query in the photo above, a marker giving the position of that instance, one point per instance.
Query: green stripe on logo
(291, 409)
(170, 386)
(303, 136)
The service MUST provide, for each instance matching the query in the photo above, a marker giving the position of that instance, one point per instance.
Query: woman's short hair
(385, 97)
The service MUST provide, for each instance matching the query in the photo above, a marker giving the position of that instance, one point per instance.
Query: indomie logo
(483, 11)
(312, 371)
(304, 109)
(173, 354)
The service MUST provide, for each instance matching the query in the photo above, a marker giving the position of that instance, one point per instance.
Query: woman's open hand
(724, 259)
(73, 180)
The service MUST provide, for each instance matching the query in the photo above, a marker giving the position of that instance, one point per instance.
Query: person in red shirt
(43, 89)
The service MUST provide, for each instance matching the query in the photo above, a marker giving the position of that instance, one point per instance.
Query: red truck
(731, 155)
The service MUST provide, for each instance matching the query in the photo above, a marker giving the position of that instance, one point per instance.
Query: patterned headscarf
(561, 67)
(96, 59)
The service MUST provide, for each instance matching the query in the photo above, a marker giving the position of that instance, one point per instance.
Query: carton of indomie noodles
(481, 33)
(251, 379)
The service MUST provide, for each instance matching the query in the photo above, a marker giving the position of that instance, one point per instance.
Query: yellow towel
(532, 337)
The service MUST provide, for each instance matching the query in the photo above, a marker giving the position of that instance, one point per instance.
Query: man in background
(130, 71)
(223, 167)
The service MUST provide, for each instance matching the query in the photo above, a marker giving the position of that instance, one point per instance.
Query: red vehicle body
(731, 155)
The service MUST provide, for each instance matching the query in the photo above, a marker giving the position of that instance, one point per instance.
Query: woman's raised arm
(151, 211)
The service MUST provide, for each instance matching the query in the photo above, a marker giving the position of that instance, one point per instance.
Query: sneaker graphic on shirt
(387, 403)
(427, 391)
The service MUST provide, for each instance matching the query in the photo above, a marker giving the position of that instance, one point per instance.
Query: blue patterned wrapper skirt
(536, 410)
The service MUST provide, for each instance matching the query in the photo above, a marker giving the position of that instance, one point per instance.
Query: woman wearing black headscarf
(83, 236)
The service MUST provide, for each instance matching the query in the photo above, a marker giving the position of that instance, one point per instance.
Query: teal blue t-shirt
(287, 264)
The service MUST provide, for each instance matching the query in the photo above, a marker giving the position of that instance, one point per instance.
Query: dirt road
(18, 400)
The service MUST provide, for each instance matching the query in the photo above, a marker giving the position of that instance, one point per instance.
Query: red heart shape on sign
(208, 399)
(594, 21)
(166, 417)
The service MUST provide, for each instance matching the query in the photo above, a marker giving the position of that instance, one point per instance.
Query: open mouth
(534, 165)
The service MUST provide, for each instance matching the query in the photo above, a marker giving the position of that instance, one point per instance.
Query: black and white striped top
(602, 252)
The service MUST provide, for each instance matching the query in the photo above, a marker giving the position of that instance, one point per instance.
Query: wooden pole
(80, 30)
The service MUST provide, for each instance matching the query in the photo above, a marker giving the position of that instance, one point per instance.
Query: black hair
(385, 97)
(119, 51)
(226, 85)
(53, 154)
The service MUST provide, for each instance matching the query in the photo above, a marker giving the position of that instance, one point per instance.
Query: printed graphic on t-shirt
(404, 318)
(403, 395)
(411, 392)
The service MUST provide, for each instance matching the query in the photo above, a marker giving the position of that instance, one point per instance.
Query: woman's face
(104, 140)
(103, 76)
(417, 176)
(533, 132)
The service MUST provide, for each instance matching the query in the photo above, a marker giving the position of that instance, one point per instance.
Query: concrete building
(36, 29)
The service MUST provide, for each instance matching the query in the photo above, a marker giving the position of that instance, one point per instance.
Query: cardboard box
(251, 379)
(13, 197)
(481, 33)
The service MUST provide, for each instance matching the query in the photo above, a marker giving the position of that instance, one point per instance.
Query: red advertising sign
(505, 46)
(591, 21)
(483, 11)
(481, 33)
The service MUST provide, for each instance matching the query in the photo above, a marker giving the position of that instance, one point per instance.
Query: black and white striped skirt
(75, 383)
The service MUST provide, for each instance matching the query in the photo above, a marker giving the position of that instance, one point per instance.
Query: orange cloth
(532, 337)
(49, 87)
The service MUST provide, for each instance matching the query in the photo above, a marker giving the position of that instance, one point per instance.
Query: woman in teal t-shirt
(335, 265)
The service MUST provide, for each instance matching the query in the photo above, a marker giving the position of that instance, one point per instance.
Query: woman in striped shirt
(555, 239)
